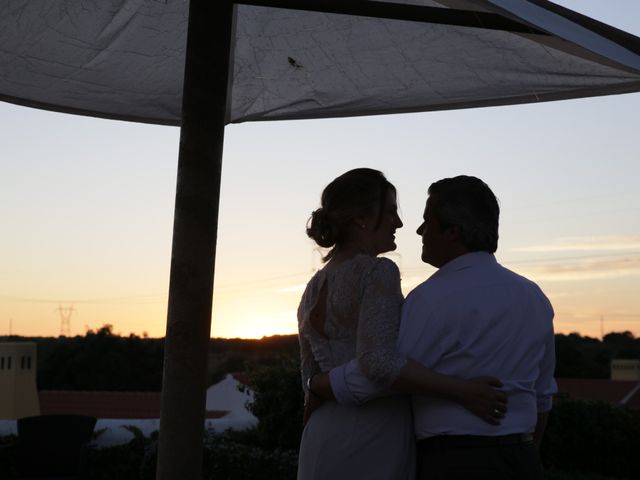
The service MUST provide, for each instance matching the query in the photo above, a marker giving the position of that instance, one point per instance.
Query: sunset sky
(87, 207)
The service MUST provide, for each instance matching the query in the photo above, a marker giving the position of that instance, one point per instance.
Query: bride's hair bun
(320, 229)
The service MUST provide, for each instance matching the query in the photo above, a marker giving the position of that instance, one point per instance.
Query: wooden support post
(194, 240)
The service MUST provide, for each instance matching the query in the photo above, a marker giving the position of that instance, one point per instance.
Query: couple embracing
(454, 382)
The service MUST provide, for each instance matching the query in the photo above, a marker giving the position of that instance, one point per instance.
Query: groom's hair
(468, 203)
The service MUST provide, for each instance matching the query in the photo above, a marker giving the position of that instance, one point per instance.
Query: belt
(441, 442)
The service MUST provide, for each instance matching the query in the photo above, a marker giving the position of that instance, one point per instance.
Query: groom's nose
(420, 229)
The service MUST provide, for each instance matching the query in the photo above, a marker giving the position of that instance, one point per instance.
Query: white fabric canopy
(124, 59)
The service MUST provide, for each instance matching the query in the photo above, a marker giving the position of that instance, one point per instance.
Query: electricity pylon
(65, 319)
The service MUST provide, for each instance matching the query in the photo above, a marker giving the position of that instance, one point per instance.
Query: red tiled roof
(138, 405)
(242, 378)
(612, 391)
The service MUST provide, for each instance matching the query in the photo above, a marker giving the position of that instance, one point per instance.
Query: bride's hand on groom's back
(482, 397)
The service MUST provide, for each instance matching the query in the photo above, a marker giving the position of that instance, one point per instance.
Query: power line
(594, 315)
(634, 254)
(573, 257)
(272, 282)
(99, 300)
(269, 281)
(576, 199)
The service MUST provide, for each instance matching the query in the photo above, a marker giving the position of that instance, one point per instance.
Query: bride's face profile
(379, 228)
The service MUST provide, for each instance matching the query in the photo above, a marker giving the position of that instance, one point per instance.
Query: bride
(351, 309)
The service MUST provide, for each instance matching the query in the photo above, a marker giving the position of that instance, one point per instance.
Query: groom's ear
(454, 233)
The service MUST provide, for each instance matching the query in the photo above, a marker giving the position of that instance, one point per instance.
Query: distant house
(625, 370)
(226, 396)
(109, 405)
(618, 392)
(18, 396)
(115, 411)
(622, 389)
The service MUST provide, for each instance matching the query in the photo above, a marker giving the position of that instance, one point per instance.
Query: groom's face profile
(435, 241)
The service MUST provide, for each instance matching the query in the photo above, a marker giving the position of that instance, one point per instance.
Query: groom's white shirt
(473, 317)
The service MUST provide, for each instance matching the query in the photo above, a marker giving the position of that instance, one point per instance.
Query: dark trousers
(477, 458)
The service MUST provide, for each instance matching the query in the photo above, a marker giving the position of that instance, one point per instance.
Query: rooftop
(138, 405)
(619, 392)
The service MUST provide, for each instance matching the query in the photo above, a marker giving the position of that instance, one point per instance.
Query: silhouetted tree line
(99, 360)
(234, 354)
(586, 357)
(103, 360)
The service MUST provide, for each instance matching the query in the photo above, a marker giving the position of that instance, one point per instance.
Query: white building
(18, 393)
(116, 411)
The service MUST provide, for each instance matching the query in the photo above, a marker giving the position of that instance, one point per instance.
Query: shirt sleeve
(352, 387)
(377, 363)
(545, 386)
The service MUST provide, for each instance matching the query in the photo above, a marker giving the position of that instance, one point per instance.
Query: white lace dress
(374, 440)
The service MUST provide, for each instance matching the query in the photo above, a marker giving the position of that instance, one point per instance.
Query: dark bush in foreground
(277, 402)
(593, 437)
(227, 456)
(560, 475)
(228, 459)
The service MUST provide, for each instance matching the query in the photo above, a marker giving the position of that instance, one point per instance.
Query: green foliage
(104, 361)
(274, 346)
(584, 441)
(278, 402)
(586, 357)
(561, 475)
(222, 363)
(593, 437)
(623, 345)
(100, 361)
(7, 456)
(226, 458)
(131, 461)
(231, 354)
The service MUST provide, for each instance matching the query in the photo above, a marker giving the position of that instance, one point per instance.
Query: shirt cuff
(339, 386)
(544, 404)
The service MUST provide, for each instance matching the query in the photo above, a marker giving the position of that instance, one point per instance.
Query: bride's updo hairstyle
(353, 194)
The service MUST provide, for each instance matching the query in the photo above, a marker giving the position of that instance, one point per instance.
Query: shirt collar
(465, 261)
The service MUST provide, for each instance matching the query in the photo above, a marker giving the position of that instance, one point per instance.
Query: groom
(472, 317)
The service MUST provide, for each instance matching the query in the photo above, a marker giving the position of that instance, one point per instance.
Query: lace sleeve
(308, 364)
(378, 324)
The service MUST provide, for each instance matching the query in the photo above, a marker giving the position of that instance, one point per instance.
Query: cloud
(584, 269)
(582, 244)
(299, 288)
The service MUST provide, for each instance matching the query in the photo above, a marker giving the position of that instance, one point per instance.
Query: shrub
(228, 459)
(278, 403)
(135, 460)
(594, 437)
